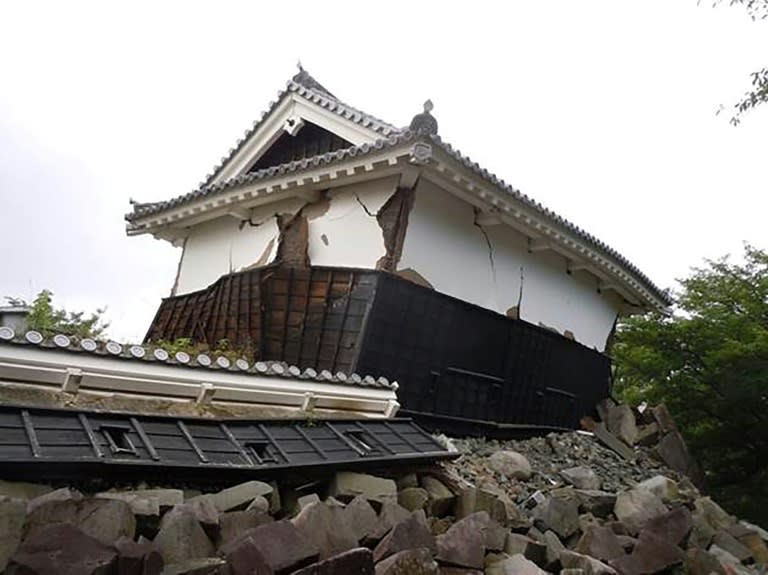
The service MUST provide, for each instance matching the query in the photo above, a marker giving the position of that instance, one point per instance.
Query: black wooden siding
(451, 358)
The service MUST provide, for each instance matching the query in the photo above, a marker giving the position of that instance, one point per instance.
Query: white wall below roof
(227, 244)
(348, 233)
(445, 246)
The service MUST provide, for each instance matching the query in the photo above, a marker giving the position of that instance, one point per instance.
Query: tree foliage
(709, 363)
(48, 320)
(758, 93)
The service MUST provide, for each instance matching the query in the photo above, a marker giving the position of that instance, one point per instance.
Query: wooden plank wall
(310, 317)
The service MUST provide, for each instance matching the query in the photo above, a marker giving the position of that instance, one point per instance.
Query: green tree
(758, 93)
(48, 320)
(708, 362)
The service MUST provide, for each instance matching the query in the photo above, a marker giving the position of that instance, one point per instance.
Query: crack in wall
(365, 208)
(490, 247)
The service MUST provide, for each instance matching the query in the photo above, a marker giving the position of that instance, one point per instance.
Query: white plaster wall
(348, 233)
(226, 245)
(444, 245)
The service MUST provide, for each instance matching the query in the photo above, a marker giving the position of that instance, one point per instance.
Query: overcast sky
(605, 111)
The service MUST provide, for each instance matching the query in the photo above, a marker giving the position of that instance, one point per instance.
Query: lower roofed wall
(451, 358)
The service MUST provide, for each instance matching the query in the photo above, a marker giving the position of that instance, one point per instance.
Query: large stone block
(463, 545)
(600, 542)
(581, 477)
(182, 538)
(560, 514)
(417, 561)
(325, 527)
(240, 495)
(347, 485)
(510, 464)
(233, 523)
(409, 534)
(361, 518)
(13, 513)
(635, 507)
(104, 519)
(62, 549)
(621, 423)
(138, 558)
(358, 561)
(280, 545)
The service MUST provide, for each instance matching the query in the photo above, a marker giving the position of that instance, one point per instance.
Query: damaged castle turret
(331, 240)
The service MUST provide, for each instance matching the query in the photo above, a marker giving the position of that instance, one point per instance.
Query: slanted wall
(451, 250)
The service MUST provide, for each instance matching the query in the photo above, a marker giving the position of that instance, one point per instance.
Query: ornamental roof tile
(181, 359)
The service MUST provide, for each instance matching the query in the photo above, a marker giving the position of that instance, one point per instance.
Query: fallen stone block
(62, 549)
(755, 544)
(417, 561)
(662, 487)
(23, 490)
(713, 514)
(729, 543)
(13, 514)
(700, 562)
(598, 503)
(413, 498)
(440, 497)
(463, 545)
(361, 518)
(206, 566)
(621, 423)
(581, 477)
(518, 544)
(663, 418)
(560, 514)
(613, 442)
(358, 561)
(260, 503)
(730, 564)
(514, 565)
(634, 508)
(63, 494)
(599, 542)
(648, 435)
(589, 565)
(280, 545)
(305, 500)
(673, 526)
(510, 464)
(325, 528)
(390, 515)
(650, 555)
(201, 507)
(138, 558)
(233, 523)
(240, 495)
(673, 451)
(182, 538)
(497, 505)
(145, 506)
(409, 534)
(346, 485)
(104, 519)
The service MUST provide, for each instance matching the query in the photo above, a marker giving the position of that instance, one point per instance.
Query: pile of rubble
(582, 503)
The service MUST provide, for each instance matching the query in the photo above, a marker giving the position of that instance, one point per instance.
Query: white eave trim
(291, 105)
(73, 371)
(353, 169)
(543, 231)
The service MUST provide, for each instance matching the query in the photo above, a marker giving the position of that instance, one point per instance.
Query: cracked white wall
(228, 244)
(348, 233)
(445, 246)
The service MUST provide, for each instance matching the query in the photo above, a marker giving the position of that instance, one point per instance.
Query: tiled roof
(306, 86)
(206, 361)
(143, 210)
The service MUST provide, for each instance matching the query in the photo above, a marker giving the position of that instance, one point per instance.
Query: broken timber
(64, 444)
